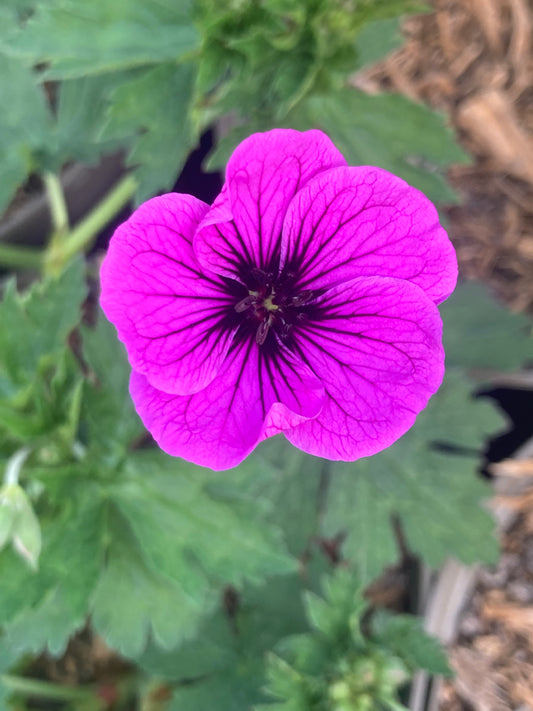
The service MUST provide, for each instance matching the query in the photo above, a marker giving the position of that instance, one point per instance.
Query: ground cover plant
(238, 589)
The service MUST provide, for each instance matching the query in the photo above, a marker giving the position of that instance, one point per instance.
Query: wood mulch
(473, 60)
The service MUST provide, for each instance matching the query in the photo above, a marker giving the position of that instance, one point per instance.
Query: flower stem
(21, 257)
(58, 205)
(85, 232)
(81, 236)
(44, 689)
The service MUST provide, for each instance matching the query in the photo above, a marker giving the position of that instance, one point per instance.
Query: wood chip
(490, 118)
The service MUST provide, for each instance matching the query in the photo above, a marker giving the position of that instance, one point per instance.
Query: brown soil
(473, 60)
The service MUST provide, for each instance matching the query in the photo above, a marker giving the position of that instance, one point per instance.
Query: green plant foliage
(80, 117)
(152, 110)
(428, 478)
(36, 324)
(40, 383)
(209, 581)
(225, 663)
(294, 485)
(149, 77)
(403, 635)
(114, 536)
(387, 130)
(111, 424)
(376, 39)
(79, 39)
(480, 333)
(19, 524)
(24, 124)
(34, 138)
(107, 539)
(338, 667)
(262, 58)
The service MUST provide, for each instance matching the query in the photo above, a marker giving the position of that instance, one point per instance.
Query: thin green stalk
(58, 205)
(86, 231)
(44, 690)
(81, 237)
(21, 257)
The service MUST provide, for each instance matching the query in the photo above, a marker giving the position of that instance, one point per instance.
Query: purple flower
(302, 301)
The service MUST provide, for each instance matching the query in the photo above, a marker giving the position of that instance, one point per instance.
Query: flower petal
(168, 314)
(250, 400)
(351, 222)
(376, 346)
(243, 229)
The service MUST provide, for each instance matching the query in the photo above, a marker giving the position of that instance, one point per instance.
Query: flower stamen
(246, 303)
(262, 330)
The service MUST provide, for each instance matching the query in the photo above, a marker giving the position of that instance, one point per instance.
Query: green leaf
(405, 636)
(386, 130)
(153, 108)
(107, 554)
(151, 604)
(291, 482)
(78, 39)
(376, 39)
(33, 140)
(389, 131)
(479, 332)
(214, 542)
(42, 609)
(429, 478)
(332, 613)
(110, 420)
(24, 124)
(226, 659)
(79, 121)
(36, 324)
(222, 531)
(334, 665)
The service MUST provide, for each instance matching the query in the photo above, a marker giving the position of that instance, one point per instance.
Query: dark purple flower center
(269, 305)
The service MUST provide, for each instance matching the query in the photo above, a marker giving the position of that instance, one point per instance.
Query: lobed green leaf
(429, 479)
(481, 333)
(152, 109)
(79, 39)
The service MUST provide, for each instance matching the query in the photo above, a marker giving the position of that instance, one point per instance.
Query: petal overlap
(262, 176)
(218, 427)
(166, 310)
(351, 222)
(377, 348)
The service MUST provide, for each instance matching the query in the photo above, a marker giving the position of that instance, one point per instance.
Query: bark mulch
(473, 60)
